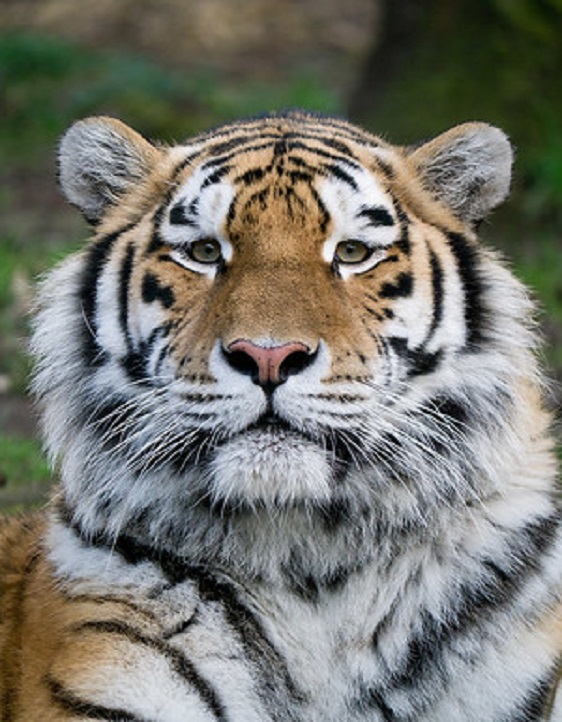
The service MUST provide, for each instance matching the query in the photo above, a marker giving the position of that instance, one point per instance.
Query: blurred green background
(406, 69)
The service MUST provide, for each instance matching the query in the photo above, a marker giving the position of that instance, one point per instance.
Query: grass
(25, 477)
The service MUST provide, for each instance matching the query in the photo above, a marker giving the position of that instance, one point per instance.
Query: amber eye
(206, 250)
(351, 252)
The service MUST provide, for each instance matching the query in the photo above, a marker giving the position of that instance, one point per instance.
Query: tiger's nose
(268, 367)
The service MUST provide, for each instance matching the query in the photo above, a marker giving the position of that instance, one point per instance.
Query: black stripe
(475, 313)
(180, 664)
(403, 243)
(179, 217)
(370, 699)
(215, 177)
(238, 141)
(183, 164)
(308, 586)
(402, 286)
(437, 288)
(376, 215)
(373, 312)
(385, 168)
(181, 627)
(114, 429)
(258, 197)
(251, 176)
(153, 290)
(156, 241)
(69, 702)
(290, 140)
(109, 420)
(346, 130)
(449, 412)
(96, 258)
(340, 174)
(324, 215)
(299, 176)
(134, 365)
(473, 605)
(322, 153)
(125, 273)
(113, 599)
(328, 141)
(225, 158)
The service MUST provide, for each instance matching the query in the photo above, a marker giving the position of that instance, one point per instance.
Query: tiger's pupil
(351, 252)
(207, 250)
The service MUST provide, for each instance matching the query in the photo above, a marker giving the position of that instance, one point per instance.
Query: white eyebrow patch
(199, 210)
(360, 212)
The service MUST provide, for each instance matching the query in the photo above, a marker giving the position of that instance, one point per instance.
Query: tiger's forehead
(276, 174)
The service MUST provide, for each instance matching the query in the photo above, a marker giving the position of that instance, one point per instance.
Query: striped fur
(362, 526)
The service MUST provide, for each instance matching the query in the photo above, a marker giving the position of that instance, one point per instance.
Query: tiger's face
(267, 311)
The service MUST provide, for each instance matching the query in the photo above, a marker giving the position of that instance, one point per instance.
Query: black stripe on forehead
(237, 142)
(342, 175)
(376, 216)
(291, 127)
(288, 149)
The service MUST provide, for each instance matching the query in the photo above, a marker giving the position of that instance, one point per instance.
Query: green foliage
(47, 83)
(20, 264)
(24, 474)
(539, 266)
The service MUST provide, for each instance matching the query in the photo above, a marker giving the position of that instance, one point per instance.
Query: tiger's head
(283, 312)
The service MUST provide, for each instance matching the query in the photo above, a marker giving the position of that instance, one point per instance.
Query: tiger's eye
(352, 252)
(206, 250)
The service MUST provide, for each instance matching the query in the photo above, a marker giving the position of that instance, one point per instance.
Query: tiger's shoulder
(19, 543)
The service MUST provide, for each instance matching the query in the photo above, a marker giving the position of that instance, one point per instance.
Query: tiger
(307, 466)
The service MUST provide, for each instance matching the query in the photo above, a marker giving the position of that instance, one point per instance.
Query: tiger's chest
(396, 642)
(199, 652)
(205, 649)
(202, 655)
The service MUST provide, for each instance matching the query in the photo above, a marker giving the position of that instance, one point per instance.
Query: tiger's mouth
(270, 421)
(276, 433)
(272, 424)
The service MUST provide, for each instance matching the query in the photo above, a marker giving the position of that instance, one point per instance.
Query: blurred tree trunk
(399, 24)
(440, 61)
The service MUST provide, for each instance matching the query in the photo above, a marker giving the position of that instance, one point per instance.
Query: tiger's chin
(270, 468)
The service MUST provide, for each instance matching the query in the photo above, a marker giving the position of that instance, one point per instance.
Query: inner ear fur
(100, 159)
(467, 167)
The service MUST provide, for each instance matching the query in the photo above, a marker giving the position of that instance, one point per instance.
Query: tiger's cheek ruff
(367, 530)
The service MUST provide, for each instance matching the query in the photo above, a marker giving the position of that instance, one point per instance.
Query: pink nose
(268, 366)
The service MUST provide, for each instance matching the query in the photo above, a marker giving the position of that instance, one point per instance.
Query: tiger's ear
(100, 159)
(467, 167)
